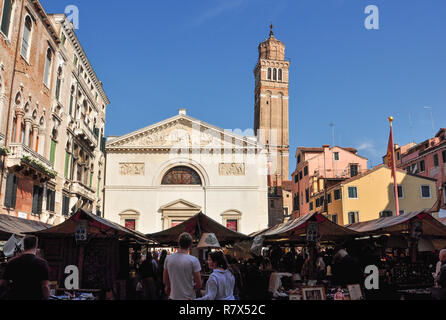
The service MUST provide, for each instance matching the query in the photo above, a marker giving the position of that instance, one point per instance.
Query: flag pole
(393, 168)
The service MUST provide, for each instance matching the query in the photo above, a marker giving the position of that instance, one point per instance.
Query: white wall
(144, 194)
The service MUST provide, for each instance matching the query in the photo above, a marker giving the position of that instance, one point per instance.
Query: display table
(81, 294)
(415, 294)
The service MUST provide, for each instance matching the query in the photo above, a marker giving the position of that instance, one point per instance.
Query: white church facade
(162, 175)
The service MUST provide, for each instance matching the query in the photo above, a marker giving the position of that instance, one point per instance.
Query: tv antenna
(432, 118)
(332, 126)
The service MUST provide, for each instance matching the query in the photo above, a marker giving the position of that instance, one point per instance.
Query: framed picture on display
(355, 292)
(314, 293)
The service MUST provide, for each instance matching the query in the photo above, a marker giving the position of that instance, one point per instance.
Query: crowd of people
(162, 275)
(178, 276)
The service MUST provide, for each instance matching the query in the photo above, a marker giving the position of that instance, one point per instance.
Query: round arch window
(181, 176)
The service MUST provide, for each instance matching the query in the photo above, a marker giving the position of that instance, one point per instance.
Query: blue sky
(155, 57)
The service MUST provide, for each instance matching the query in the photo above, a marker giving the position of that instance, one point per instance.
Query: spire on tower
(271, 32)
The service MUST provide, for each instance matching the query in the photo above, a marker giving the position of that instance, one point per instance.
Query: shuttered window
(50, 200)
(71, 104)
(26, 37)
(65, 205)
(67, 164)
(58, 88)
(53, 152)
(6, 17)
(46, 74)
(11, 191)
(353, 192)
(37, 200)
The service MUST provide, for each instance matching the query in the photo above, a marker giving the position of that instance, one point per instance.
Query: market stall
(310, 238)
(310, 228)
(407, 247)
(196, 227)
(97, 247)
(10, 225)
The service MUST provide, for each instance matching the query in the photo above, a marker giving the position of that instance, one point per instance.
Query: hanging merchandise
(81, 231)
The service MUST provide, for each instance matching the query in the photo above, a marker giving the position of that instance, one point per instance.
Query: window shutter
(14, 191)
(58, 89)
(53, 152)
(53, 201)
(11, 191)
(67, 164)
(40, 200)
(35, 199)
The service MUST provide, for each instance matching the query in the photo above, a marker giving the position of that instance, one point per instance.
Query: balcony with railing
(345, 173)
(83, 130)
(82, 190)
(22, 156)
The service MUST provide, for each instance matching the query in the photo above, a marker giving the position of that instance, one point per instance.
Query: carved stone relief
(232, 169)
(131, 169)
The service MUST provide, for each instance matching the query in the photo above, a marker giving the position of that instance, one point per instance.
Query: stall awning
(97, 226)
(10, 225)
(296, 230)
(400, 224)
(196, 226)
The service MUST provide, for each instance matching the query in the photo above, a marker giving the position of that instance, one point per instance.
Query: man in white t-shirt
(182, 272)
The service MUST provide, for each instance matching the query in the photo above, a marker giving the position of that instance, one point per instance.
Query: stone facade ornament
(132, 169)
(232, 169)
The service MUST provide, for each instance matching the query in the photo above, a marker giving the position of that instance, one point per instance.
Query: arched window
(181, 176)
(46, 74)
(26, 39)
(6, 17)
(280, 74)
(275, 74)
(269, 74)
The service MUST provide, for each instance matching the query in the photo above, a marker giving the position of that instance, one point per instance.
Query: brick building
(427, 159)
(37, 131)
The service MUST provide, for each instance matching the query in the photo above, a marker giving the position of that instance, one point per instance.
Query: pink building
(428, 159)
(320, 168)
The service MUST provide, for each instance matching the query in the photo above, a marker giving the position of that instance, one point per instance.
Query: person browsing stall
(220, 285)
(182, 272)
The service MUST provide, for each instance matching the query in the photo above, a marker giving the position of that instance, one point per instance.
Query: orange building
(320, 168)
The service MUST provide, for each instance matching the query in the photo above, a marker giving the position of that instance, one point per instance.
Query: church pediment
(180, 205)
(181, 132)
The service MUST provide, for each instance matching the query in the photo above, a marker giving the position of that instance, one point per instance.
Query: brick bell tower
(271, 120)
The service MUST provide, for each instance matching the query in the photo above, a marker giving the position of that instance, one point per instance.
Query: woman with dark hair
(220, 285)
(147, 275)
(160, 284)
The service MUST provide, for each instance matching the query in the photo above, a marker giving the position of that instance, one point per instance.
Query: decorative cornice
(67, 27)
(189, 122)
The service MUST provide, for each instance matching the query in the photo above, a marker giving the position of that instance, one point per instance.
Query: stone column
(35, 135)
(28, 122)
(19, 113)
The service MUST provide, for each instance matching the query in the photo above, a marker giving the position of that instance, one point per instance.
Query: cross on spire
(271, 33)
